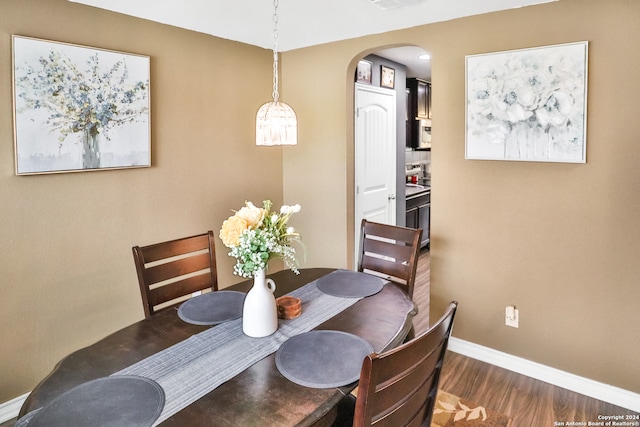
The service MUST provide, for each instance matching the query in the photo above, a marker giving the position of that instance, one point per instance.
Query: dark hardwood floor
(529, 402)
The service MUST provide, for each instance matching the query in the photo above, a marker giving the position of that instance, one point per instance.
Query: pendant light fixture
(276, 122)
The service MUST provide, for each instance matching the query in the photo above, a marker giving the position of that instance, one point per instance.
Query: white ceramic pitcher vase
(260, 312)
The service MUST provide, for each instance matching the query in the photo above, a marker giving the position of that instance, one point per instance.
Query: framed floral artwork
(528, 104)
(79, 108)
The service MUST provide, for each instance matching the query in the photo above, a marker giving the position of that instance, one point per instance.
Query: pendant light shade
(276, 122)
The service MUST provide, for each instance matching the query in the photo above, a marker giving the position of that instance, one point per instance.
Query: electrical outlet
(511, 316)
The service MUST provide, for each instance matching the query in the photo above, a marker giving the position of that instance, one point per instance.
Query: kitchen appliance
(425, 172)
(425, 133)
(412, 172)
(418, 172)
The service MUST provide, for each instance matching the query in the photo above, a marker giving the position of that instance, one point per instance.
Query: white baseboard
(566, 380)
(585, 386)
(10, 409)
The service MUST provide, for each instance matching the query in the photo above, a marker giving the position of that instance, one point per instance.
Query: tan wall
(67, 276)
(560, 241)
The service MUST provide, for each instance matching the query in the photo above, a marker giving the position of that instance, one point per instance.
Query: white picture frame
(364, 71)
(527, 104)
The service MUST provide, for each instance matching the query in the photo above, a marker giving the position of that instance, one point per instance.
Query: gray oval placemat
(350, 284)
(115, 401)
(212, 308)
(322, 359)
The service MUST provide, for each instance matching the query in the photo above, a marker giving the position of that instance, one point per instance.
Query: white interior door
(375, 156)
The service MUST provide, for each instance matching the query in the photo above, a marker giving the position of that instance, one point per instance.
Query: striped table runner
(194, 367)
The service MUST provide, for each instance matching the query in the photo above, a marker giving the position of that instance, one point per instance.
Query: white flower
(556, 110)
(286, 209)
(291, 230)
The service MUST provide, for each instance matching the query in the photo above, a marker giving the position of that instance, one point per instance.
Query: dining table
(259, 395)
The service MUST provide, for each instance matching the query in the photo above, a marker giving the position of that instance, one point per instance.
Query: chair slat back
(185, 245)
(390, 251)
(170, 270)
(180, 267)
(399, 387)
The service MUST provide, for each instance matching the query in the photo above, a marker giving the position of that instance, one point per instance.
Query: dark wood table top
(260, 395)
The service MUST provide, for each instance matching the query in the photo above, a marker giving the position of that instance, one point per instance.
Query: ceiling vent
(393, 4)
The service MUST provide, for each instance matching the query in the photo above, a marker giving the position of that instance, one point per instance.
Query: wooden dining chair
(170, 270)
(398, 388)
(391, 252)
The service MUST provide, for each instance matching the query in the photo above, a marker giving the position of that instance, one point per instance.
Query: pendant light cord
(275, 93)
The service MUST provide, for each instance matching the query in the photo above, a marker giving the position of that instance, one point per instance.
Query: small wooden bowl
(289, 307)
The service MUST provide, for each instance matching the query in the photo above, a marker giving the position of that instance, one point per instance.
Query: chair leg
(346, 408)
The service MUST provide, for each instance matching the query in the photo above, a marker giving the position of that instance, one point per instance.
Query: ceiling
(302, 23)
(409, 56)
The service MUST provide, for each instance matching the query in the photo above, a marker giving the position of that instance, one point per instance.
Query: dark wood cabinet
(419, 98)
(424, 222)
(418, 214)
(422, 99)
(418, 110)
(412, 218)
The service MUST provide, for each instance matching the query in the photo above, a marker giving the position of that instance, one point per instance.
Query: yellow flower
(252, 215)
(232, 229)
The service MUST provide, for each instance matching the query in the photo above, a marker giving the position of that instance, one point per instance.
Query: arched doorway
(412, 158)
